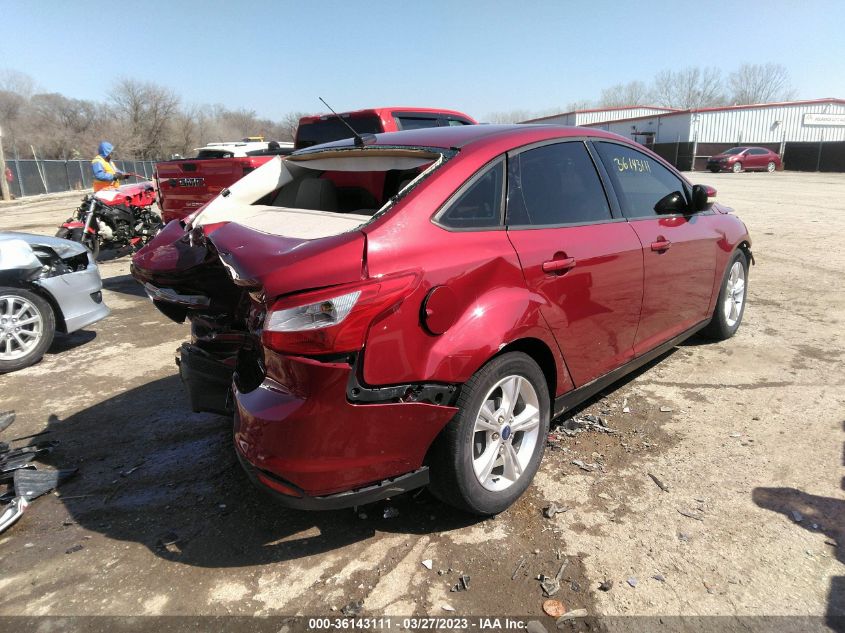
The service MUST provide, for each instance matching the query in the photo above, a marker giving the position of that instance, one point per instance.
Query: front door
(679, 250)
(584, 265)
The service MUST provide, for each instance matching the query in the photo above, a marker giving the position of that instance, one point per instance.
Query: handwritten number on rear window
(623, 163)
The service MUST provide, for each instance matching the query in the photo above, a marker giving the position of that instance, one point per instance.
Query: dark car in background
(739, 159)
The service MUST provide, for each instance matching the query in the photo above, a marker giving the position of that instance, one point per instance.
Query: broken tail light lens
(333, 320)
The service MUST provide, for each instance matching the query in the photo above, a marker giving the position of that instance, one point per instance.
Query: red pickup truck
(184, 185)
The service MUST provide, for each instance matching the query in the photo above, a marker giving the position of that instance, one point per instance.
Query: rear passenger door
(584, 264)
(679, 250)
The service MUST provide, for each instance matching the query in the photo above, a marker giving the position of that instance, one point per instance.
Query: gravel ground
(755, 433)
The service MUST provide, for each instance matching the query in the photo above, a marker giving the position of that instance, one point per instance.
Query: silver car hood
(63, 248)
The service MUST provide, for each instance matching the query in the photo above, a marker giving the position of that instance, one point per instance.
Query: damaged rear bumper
(305, 441)
(290, 496)
(207, 380)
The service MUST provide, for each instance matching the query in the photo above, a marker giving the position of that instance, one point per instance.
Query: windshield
(735, 150)
(332, 129)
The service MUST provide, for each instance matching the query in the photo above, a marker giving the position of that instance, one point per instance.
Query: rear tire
(488, 454)
(730, 306)
(27, 327)
(737, 168)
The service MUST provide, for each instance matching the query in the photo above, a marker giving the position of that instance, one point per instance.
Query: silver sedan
(46, 284)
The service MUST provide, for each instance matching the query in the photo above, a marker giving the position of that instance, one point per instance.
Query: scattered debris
(362, 515)
(12, 513)
(605, 585)
(589, 422)
(659, 577)
(463, 584)
(554, 608)
(353, 608)
(665, 409)
(683, 537)
(170, 542)
(126, 473)
(570, 615)
(6, 419)
(797, 516)
(605, 496)
(576, 588)
(551, 586)
(518, 567)
(736, 435)
(632, 581)
(659, 483)
(553, 509)
(390, 512)
(625, 407)
(830, 541)
(535, 627)
(583, 466)
(691, 515)
(447, 607)
(73, 549)
(35, 483)
(427, 563)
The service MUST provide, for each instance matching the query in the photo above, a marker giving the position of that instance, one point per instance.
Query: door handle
(559, 265)
(661, 245)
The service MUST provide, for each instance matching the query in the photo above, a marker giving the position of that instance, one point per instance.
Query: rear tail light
(333, 320)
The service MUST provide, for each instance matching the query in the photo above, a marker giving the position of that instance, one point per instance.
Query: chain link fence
(33, 177)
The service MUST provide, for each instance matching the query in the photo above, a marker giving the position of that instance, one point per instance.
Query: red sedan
(739, 159)
(415, 308)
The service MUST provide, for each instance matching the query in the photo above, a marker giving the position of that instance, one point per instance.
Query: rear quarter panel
(493, 305)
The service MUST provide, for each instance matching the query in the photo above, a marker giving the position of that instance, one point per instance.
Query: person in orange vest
(106, 174)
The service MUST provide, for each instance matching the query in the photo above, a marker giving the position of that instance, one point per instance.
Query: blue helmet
(105, 148)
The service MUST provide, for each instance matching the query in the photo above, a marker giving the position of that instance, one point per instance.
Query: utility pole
(4, 185)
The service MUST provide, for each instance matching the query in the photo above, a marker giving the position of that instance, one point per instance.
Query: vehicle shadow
(124, 284)
(828, 515)
(153, 472)
(66, 342)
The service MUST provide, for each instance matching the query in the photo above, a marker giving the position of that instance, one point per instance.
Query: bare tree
(288, 125)
(632, 93)
(692, 87)
(15, 81)
(63, 127)
(760, 83)
(511, 116)
(582, 104)
(145, 109)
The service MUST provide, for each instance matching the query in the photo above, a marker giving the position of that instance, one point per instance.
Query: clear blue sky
(479, 57)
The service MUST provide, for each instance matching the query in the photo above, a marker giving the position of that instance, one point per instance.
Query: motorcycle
(114, 218)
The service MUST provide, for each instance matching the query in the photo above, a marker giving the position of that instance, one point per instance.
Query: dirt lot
(755, 432)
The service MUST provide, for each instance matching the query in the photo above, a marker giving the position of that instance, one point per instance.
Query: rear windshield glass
(328, 130)
(214, 153)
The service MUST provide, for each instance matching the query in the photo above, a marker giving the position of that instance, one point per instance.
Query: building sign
(827, 120)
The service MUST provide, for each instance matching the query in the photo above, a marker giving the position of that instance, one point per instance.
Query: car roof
(457, 137)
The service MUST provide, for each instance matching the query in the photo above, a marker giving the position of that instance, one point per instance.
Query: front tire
(89, 241)
(489, 452)
(737, 168)
(27, 326)
(730, 306)
(771, 166)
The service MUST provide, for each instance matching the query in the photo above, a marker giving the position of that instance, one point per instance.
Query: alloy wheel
(734, 294)
(770, 167)
(506, 432)
(21, 327)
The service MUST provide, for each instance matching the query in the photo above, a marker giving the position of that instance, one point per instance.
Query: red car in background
(739, 159)
(324, 128)
(415, 310)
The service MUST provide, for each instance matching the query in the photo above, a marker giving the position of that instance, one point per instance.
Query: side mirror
(700, 196)
(671, 203)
